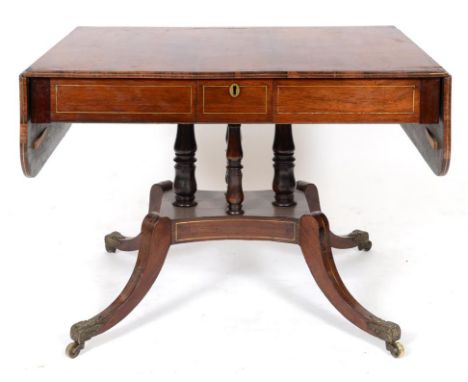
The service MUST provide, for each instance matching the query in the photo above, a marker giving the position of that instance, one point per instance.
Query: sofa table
(281, 76)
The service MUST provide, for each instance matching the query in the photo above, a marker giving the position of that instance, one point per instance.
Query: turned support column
(284, 182)
(234, 194)
(185, 184)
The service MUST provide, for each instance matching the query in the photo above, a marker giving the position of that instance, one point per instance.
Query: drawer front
(122, 100)
(347, 101)
(235, 101)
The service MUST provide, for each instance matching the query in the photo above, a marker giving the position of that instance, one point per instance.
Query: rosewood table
(281, 76)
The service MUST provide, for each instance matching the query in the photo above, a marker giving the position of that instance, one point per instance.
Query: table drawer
(347, 101)
(122, 100)
(235, 101)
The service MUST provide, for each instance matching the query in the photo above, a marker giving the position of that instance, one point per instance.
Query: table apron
(251, 101)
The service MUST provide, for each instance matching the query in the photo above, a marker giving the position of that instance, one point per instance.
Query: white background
(232, 311)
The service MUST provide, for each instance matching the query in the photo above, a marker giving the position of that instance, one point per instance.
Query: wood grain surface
(122, 100)
(252, 104)
(259, 101)
(285, 76)
(434, 139)
(271, 52)
(346, 101)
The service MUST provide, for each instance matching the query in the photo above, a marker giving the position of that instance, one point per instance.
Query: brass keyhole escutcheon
(234, 90)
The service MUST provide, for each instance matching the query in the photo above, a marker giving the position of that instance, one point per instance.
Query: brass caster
(365, 246)
(112, 241)
(361, 238)
(73, 349)
(396, 349)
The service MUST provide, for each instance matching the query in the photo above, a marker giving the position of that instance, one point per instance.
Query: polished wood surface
(210, 209)
(155, 242)
(314, 239)
(297, 52)
(38, 136)
(115, 240)
(262, 221)
(40, 108)
(429, 103)
(234, 191)
(212, 204)
(260, 101)
(284, 181)
(251, 104)
(433, 140)
(122, 100)
(185, 183)
(316, 101)
(282, 76)
(252, 228)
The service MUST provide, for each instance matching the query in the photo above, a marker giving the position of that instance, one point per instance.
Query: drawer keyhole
(234, 90)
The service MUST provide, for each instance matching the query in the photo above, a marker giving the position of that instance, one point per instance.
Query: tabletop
(280, 75)
(271, 52)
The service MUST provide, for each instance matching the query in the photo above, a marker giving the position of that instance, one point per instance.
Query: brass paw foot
(390, 333)
(361, 239)
(385, 330)
(395, 348)
(81, 332)
(113, 240)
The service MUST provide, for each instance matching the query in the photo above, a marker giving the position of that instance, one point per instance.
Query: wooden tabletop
(299, 52)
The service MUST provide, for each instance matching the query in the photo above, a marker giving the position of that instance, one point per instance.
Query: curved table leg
(314, 240)
(311, 194)
(116, 240)
(155, 241)
(357, 238)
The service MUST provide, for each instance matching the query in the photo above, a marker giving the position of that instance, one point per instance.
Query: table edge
(437, 72)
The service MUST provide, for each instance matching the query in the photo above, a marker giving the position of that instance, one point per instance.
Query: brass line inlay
(349, 112)
(123, 112)
(234, 112)
(293, 238)
(228, 75)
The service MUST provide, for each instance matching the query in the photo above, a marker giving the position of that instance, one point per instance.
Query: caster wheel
(73, 349)
(112, 241)
(396, 349)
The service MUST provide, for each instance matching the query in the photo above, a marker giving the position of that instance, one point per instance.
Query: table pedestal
(290, 212)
